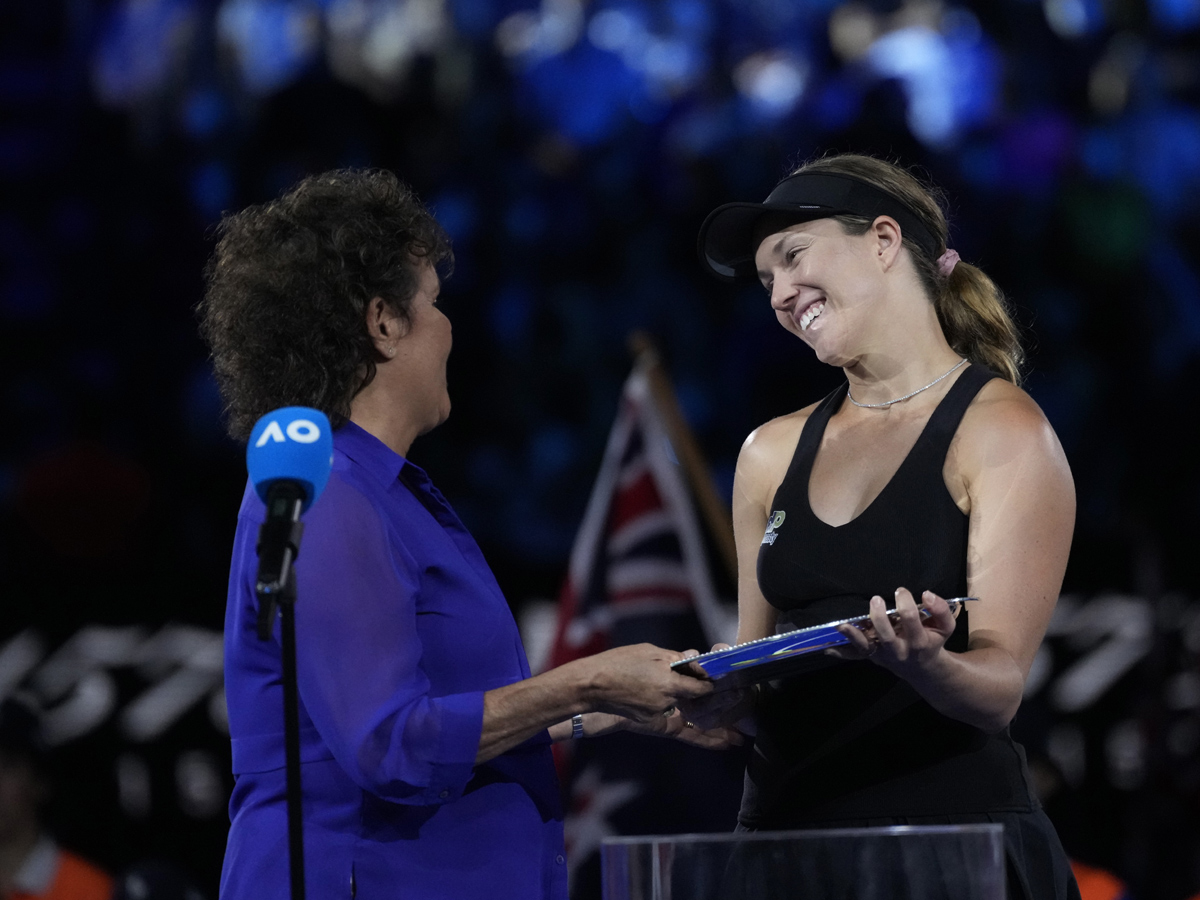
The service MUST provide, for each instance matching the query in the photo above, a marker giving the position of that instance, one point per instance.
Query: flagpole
(716, 514)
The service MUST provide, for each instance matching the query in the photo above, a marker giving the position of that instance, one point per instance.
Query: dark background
(572, 149)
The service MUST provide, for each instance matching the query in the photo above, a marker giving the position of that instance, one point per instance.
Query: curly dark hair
(288, 284)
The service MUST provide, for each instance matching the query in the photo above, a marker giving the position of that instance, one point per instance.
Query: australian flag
(639, 572)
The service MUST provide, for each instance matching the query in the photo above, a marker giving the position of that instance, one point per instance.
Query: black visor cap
(727, 237)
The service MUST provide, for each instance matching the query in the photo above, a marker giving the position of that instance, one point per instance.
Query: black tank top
(852, 741)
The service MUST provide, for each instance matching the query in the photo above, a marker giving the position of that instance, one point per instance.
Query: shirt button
(560, 859)
(444, 794)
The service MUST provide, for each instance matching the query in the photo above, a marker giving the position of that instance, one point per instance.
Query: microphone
(289, 457)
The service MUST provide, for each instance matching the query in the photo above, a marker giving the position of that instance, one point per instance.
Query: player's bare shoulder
(1001, 424)
(768, 450)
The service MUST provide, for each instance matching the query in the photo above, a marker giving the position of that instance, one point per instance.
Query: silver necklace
(906, 396)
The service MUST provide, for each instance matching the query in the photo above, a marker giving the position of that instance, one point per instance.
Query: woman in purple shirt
(425, 742)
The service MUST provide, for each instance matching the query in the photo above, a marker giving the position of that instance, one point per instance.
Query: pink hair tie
(946, 262)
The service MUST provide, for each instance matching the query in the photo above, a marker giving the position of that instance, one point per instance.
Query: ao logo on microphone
(302, 431)
(293, 444)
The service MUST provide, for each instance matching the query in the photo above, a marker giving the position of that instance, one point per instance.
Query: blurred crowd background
(571, 149)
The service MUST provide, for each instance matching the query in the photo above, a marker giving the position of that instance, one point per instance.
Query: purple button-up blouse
(400, 629)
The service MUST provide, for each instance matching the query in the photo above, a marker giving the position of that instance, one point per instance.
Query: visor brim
(727, 242)
(728, 237)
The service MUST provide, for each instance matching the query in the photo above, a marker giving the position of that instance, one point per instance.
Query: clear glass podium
(942, 862)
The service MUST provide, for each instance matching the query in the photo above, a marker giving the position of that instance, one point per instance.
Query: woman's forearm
(516, 712)
(636, 682)
(981, 687)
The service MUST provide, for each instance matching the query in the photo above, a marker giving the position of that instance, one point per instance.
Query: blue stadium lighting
(1175, 15)
(510, 314)
(140, 45)
(617, 30)
(773, 82)
(1102, 154)
(1163, 146)
(274, 41)
(918, 58)
(211, 190)
(373, 43)
(951, 80)
(1073, 18)
(532, 35)
(647, 105)
(702, 131)
(474, 19)
(204, 111)
(671, 64)
(836, 104)
(691, 17)
(981, 165)
(458, 213)
(979, 71)
(583, 94)
(620, 68)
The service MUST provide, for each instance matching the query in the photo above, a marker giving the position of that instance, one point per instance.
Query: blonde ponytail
(976, 322)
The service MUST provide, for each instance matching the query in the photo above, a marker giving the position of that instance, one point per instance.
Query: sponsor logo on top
(772, 531)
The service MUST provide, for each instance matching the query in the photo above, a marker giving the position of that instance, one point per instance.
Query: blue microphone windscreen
(294, 443)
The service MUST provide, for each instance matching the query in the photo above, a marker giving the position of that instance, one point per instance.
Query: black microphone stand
(280, 537)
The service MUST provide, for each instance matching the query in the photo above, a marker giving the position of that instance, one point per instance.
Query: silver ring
(687, 724)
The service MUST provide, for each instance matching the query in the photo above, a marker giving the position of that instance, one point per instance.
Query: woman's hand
(671, 723)
(676, 725)
(637, 682)
(720, 710)
(726, 709)
(633, 682)
(907, 646)
(681, 728)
